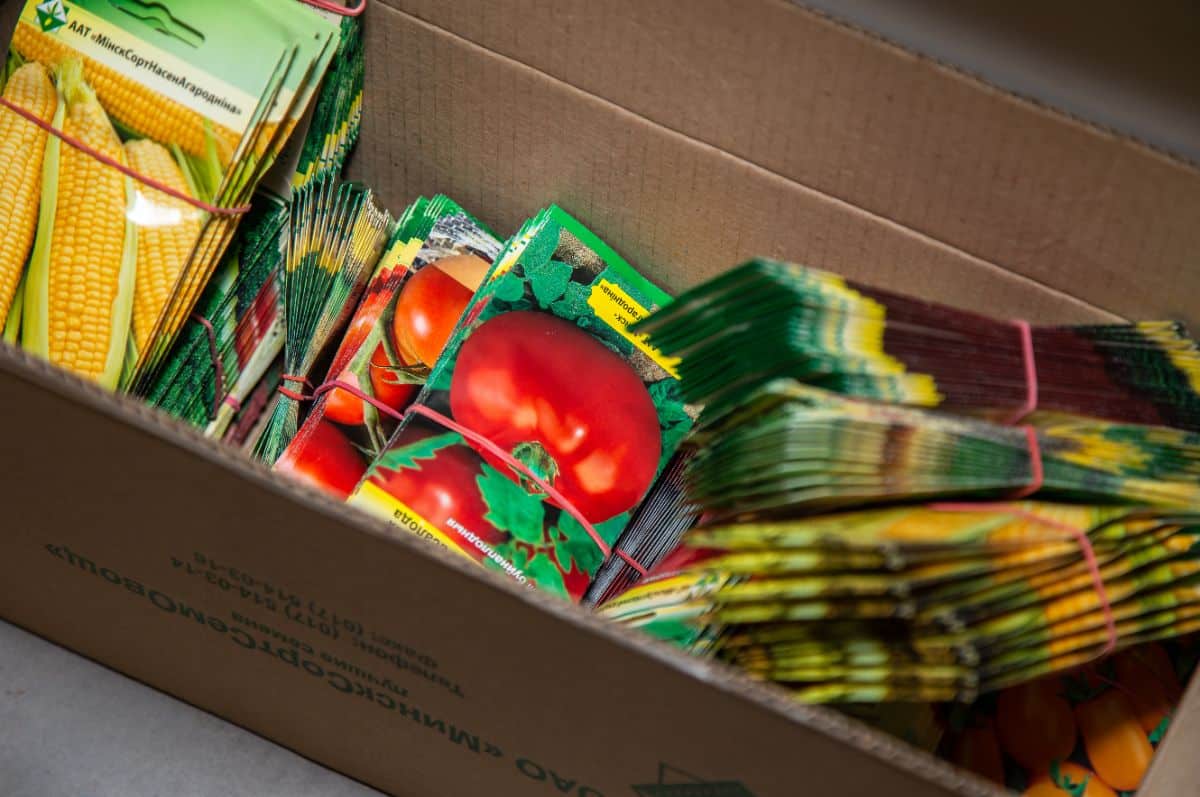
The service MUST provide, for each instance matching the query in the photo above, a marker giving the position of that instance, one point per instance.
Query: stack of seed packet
(242, 303)
(116, 263)
(767, 319)
(862, 551)
(438, 258)
(544, 422)
(336, 233)
(654, 530)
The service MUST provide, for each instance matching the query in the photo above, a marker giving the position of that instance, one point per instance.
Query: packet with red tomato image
(1091, 733)
(541, 379)
(436, 261)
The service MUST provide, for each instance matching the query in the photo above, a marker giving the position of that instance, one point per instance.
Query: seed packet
(541, 378)
(336, 234)
(438, 258)
(194, 97)
(767, 319)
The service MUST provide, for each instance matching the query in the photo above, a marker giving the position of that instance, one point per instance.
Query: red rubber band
(218, 366)
(508, 459)
(353, 11)
(1037, 472)
(233, 403)
(1085, 547)
(116, 164)
(1031, 376)
(303, 380)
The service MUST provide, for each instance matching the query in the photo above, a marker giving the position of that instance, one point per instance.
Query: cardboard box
(690, 134)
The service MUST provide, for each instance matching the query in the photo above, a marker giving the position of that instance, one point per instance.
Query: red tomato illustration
(430, 304)
(342, 406)
(443, 489)
(324, 459)
(385, 383)
(564, 404)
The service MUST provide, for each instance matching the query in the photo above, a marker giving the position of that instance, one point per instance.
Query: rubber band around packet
(218, 367)
(559, 499)
(1031, 375)
(75, 143)
(1081, 539)
(1037, 471)
(336, 8)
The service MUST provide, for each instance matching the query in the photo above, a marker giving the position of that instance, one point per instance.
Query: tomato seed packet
(436, 261)
(542, 370)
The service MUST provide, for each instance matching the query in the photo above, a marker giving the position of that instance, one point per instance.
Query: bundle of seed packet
(438, 258)
(336, 234)
(240, 313)
(1093, 732)
(789, 448)
(923, 603)
(654, 530)
(544, 422)
(862, 551)
(196, 116)
(767, 319)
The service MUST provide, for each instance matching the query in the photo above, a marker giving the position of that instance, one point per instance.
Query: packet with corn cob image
(439, 257)
(543, 423)
(193, 100)
(210, 376)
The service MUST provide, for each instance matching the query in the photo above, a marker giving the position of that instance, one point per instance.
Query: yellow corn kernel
(131, 104)
(167, 230)
(79, 292)
(22, 145)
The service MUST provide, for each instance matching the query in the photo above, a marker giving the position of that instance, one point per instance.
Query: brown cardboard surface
(853, 118)
(506, 140)
(569, 705)
(120, 558)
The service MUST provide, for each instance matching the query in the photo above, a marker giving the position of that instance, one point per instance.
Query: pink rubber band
(1037, 472)
(1081, 539)
(480, 440)
(233, 403)
(353, 11)
(122, 168)
(1031, 376)
(218, 367)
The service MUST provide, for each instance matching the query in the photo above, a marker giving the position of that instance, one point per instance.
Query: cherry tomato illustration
(442, 489)
(323, 457)
(342, 406)
(385, 383)
(1116, 745)
(430, 304)
(1035, 724)
(1070, 777)
(560, 401)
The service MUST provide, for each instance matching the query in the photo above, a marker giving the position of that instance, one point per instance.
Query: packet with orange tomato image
(541, 379)
(436, 260)
(1091, 733)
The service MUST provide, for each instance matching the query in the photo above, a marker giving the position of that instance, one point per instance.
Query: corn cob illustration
(79, 291)
(131, 104)
(167, 230)
(23, 144)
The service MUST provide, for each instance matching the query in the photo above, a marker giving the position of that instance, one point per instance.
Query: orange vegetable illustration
(1115, 742)
(977, 749)
(1035, 724)
(1068, 778)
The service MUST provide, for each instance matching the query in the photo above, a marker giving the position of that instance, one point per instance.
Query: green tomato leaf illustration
(408, 456)
(549, 280)
(510, 288)
(573, 303)
(574, 543)
(546, 575)
(510, 508)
